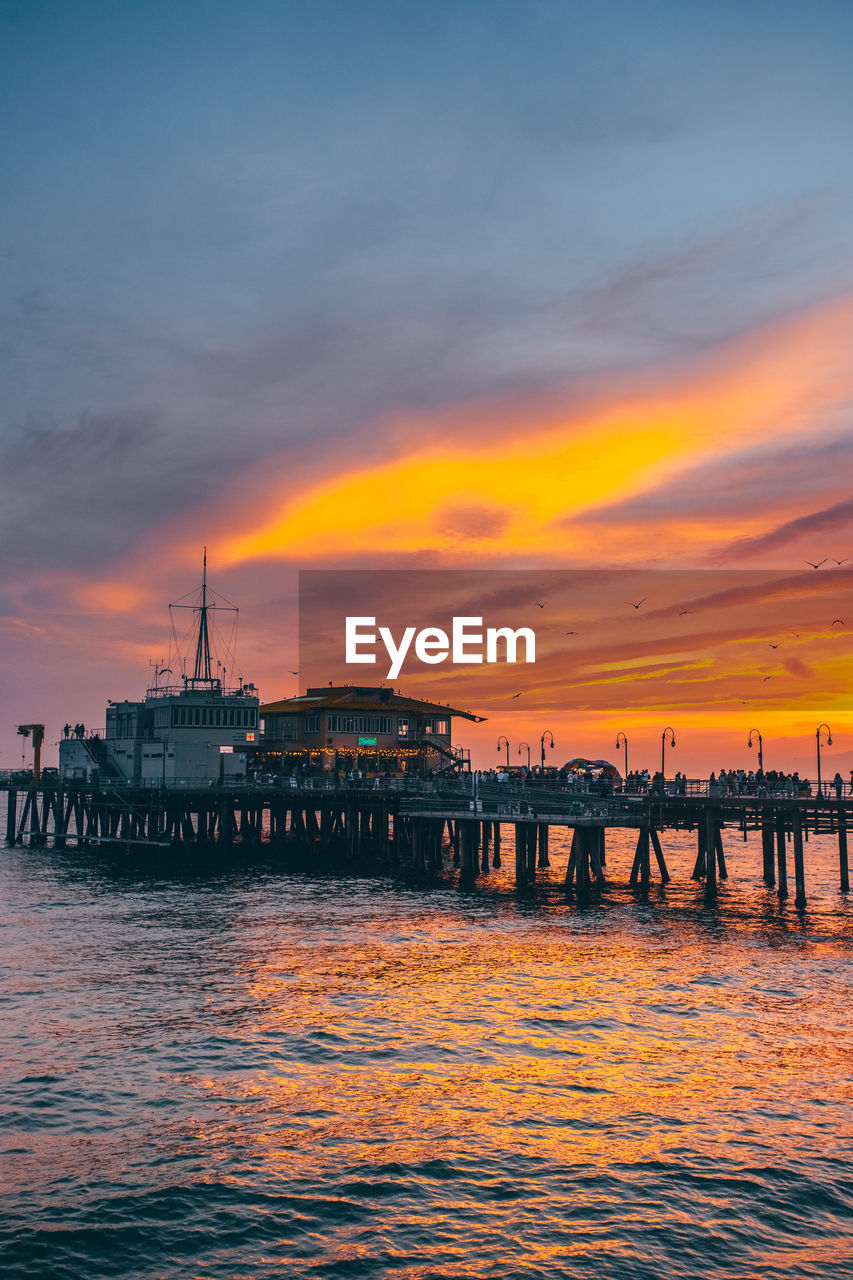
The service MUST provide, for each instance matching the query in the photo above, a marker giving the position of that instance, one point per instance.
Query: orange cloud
(536, 469)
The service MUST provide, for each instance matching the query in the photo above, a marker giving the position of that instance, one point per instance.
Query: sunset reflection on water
(360, 1077)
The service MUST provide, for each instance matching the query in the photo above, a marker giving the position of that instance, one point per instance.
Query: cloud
(830, 520)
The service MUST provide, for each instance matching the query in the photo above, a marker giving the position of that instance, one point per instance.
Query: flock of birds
(636, 604)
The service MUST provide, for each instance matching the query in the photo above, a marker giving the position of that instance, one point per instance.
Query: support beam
(781, 854)
(799, 865)
(842, 849)
(656, 845)
(711, 825)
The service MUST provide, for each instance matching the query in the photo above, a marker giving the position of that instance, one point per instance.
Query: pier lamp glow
(546, 734)
(621, 734)
(520, 746)
(818, 731)
(505, 740)
(757, 734)
(671, 733)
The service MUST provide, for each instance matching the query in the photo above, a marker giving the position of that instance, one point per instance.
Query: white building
(193, 733)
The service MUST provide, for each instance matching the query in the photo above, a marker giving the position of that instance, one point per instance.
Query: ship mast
(202, 648)
(203, 666)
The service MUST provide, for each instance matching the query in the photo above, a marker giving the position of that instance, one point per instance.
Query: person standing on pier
(838, 783)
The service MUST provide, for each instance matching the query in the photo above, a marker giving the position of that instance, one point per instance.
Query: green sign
(367, 742)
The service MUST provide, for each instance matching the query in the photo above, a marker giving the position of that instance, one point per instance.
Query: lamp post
(505, 740)
(546, 734)
(624, 738)
(818, 732)
(671, 733)
(525, 744)
(757, 733)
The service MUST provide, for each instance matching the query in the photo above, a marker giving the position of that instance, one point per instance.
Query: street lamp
(757, 733)
(505, 740)
(671, 733)
(546, 734)
(624, 738)
(525, 744)
(818, 732)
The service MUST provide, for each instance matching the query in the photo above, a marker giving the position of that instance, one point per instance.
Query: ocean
(243, 1071)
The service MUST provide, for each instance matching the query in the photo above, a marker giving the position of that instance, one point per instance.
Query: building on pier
(375, 730)
(194, 730)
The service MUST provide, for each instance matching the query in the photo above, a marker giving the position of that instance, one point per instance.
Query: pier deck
(391, 827)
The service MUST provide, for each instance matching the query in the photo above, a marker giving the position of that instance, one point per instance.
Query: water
(254, 1074)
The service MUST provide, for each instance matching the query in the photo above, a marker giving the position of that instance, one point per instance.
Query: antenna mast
(202, 649)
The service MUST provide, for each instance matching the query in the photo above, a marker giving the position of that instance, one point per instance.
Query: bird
(819, 563)
(772, 645)
(766, 678)
(683, 611)
(538, 605)
(294, 673)
(571, 633)
(515, 695)
(637, 605)
(838, 622)
(844, 561)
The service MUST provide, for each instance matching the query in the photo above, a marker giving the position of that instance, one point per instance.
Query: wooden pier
(390, 828)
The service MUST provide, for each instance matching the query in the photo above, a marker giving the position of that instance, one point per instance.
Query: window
(197, 715)
(231, 717)
(402, 726)
(437, 726)
(360, 724)
(312, 724)
(174, 715)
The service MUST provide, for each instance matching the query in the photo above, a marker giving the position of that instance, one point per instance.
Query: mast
(202, 649)
(204, 614)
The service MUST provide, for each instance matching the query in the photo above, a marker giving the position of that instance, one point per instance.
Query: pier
(428, 826)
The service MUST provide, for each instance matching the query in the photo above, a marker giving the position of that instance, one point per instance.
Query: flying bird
(538, 605)
(294, 673)
(515, 695)
(819, 563)
(834, 561)
(639, 602)
(683, 611)
(838, 622)
(571, 633)
(766, 678)
(773, 646)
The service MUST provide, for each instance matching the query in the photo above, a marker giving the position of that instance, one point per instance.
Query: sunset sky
(493, 285)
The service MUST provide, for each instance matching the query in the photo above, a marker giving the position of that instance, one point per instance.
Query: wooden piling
(842, 849)
(531, 850)
(781, 854)
(543, 845)
(701, 858)
(711, 824)
(661, 861)
(496, 845)
(767, 858)
(520, 832)
(572, 862)
(799, 867)
(11, 814)
(484, 847)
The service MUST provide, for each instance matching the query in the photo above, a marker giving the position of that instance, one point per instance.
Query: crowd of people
(737, 782)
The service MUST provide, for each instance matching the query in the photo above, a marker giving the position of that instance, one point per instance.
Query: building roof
(358, 698)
